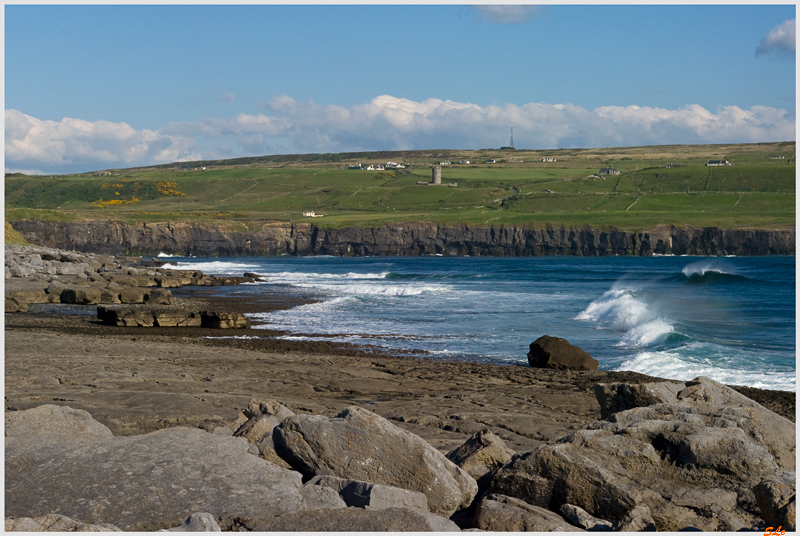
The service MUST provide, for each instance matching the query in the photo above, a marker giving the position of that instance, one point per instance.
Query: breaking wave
(620, 309)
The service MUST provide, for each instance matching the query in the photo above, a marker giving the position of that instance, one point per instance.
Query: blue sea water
(731, 319)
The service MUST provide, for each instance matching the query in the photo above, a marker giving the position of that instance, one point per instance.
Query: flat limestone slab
(59, 460)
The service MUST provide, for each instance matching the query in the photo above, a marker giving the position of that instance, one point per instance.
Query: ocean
(731, 319)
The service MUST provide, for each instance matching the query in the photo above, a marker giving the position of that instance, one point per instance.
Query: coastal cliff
(406, 239)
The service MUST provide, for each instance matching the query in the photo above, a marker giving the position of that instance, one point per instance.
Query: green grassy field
(660, 184)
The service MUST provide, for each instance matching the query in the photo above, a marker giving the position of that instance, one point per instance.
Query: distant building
(436, 174)
(490, 161)
(548, 159)
(312, 214)
(609, 171)
(776, 158)
(444, 163)
(354, 166)
(377, 167)
(394, 165)
(463, 161)
(714, 163)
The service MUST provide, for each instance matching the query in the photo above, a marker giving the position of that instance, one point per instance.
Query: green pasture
(665, 184)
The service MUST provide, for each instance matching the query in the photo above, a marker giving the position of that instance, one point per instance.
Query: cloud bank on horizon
(385, 123)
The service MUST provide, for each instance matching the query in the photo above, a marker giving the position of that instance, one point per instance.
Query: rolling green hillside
(660, 184)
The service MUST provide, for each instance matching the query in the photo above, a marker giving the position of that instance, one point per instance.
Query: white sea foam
(677, 365)
(647, 334)
(702, 267)
(620, 309)
(616, 309)
(216, 267)
(300, 277)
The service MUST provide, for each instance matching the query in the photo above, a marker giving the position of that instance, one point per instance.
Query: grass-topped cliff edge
(656, 185)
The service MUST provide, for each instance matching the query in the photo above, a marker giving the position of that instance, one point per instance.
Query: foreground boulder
(581, 518)
(61, 460)
(482, 455)
(691, 466)
(776, 498)
(262, 418)
(355, 520)
(361, 445)
(499, 513)
(557, 353)
(777, 433)
(55, 523)
(200, 522)
(359, 494)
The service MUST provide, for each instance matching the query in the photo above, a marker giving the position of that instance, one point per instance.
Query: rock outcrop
(115, 237)
(691, 463)
(557, 353)
(61, 460)
(777, 433)
(681, 465)
(361, 445)
(37, 275)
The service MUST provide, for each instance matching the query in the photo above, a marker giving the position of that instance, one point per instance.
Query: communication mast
(512, 137)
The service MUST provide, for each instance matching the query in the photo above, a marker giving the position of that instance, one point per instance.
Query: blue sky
(96, 87)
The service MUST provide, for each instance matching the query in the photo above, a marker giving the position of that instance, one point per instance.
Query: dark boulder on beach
(557, 353)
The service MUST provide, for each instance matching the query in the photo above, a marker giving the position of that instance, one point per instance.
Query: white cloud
(388, 122)
(384, 123)
(89, 144)
(506, 13)
(779, 41)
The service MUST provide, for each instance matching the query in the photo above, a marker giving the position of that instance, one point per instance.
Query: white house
(713, 163)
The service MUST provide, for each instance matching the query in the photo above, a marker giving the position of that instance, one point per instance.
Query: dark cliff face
(399, 239)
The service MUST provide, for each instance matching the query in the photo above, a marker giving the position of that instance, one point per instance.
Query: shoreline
(440, 400)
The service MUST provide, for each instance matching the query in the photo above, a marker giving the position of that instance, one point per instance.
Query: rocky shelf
(170, 317)
(667, 456)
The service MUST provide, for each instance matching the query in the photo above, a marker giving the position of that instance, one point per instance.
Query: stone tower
(436, 174)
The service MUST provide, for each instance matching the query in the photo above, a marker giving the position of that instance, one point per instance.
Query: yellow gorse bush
(115, 202)
(168, 188)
